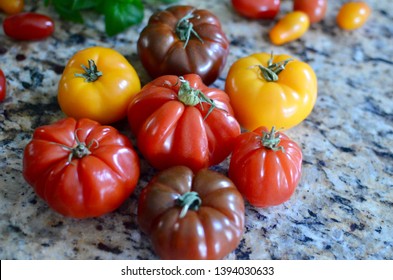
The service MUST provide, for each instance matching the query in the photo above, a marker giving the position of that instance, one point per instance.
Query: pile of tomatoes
(293, 25)
(83, 167)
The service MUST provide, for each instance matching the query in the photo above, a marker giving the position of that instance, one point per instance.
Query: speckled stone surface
(343, 207)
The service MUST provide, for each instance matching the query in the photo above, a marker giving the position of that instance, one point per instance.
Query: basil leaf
(121, 14)
(84, 4)
(64, 9)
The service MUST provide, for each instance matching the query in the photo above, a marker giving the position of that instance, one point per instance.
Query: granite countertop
(343, 206)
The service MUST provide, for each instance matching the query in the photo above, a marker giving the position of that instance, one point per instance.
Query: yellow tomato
(353, 15)
(97, 83)
(267, 90)
(12, 7)
(289, 28)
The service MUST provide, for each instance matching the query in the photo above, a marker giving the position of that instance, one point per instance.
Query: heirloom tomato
(81, 168)
(315, 9)
(181, 121)
(97, 83)
(191, 216)
(28, 26)
(289, 28)
(271, 90)
(353, 15)
(12, 6)
(257, 9)
(3, 85)
(183, 40)
(266, 167)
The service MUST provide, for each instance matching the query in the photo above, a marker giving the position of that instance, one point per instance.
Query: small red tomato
(265, 167)
(257, 9)
(315, 9)
(353, 15)
(2, 85)
(28, 26)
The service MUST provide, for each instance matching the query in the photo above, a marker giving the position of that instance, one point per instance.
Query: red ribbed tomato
(81, 168)
(181, 121)
(266, 167)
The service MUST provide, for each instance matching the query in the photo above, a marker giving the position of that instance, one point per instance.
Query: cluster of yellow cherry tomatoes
(294, 24)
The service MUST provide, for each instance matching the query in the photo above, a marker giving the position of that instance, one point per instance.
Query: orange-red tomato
(315, 9)
(12, 6)
(289, 28)
(353, 15)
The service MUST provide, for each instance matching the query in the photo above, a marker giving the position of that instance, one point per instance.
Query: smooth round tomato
(181, 121)
(81, 168)
(191, 216)
(266, 167)
(12, 6)
(353, 15)
(183, 40)
(271, 90)
(315, 9)
(289, 28)
(257, 9)
(97, 83)
(28, 26)
(3, 85)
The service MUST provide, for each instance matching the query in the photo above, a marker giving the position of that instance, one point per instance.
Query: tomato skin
(163, 52)
(283, 103)
(257, 9)
(353, 15)
(3, 86)
(170, 133)
(104, 100)
(264, 176)
(315, 9)
(90, 186)
(28, 26)
(289, 28)
(12, 7)
(210, 232)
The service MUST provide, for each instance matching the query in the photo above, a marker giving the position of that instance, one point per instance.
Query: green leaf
(155, 2)
(84, 4)
(65, 11)
(121, 14)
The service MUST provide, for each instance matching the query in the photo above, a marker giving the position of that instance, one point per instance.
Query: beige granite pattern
(343, 207)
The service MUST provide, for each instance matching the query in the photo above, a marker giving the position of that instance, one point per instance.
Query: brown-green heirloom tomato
(191, 216)
(184, 40)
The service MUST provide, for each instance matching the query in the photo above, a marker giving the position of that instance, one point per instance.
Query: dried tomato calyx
(91, 73)
(188, 201)
(192, 96)
(270, 73)
(271, 140)
(185, 28)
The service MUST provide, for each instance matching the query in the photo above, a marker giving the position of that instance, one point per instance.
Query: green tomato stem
(185, 28)
(91, 73)
(188, 201)
(192, 96)
(271, 140)
(270, 73)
